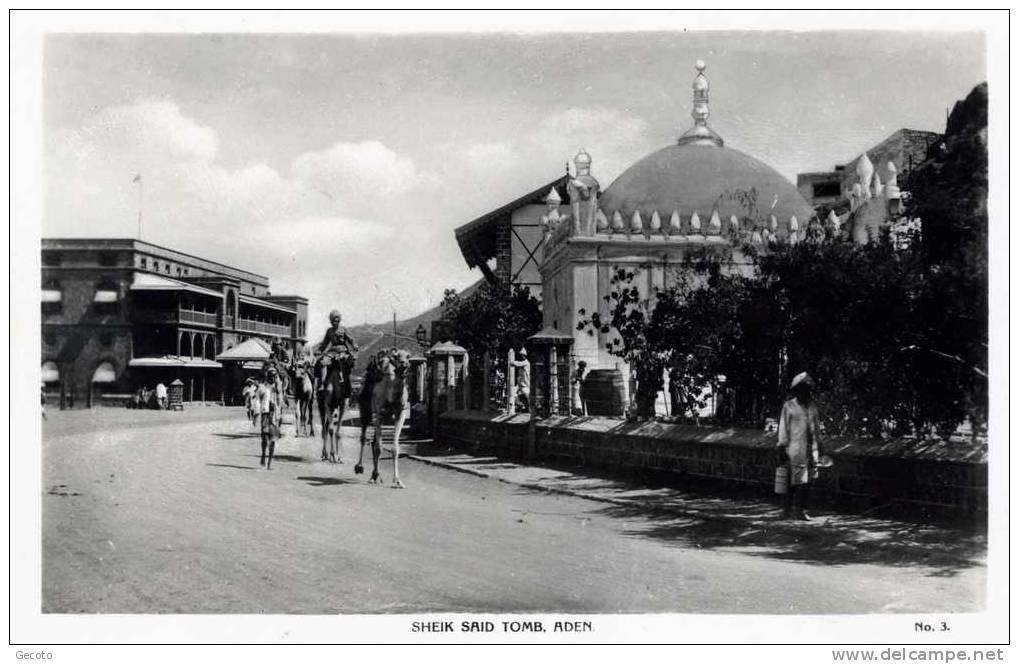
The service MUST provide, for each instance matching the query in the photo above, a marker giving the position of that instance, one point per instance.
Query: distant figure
(799, 442)
(161, 399)
(523, 386)
(269, 407)
(578, 379)
(43, 393)
(248, 394)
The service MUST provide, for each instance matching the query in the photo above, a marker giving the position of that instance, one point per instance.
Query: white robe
(799, 434)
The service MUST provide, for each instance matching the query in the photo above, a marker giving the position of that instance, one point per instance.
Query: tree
(492, 318)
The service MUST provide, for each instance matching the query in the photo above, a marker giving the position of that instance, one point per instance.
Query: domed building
(695, 195)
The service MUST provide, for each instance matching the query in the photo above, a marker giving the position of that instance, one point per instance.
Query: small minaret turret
(583, 190)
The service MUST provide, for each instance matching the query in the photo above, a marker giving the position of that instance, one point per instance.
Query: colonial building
(118, 314)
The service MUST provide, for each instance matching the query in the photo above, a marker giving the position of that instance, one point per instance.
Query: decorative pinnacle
(700, 133)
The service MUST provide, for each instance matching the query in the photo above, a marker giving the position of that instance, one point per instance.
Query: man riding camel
(334, 345)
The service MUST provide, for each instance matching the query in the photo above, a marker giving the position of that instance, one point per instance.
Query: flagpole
(138, 179)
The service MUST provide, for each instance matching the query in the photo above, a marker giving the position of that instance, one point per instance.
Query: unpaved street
(158, 512)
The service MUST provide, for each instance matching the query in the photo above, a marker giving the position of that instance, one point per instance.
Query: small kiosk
(175, 395)
(549, 352)
(447, 371)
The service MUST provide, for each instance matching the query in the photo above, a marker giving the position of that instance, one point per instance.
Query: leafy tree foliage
(894, 331)
(492, 318)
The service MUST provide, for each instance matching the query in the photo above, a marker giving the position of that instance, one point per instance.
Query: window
(186, 272)
(179, 271)
(145, 263)
(51, 258)
(104, 373)
(107, 298)
(107, 258)
(155, 265)
(50, 372)
(52, 298)
(827, 189)
(167, 266)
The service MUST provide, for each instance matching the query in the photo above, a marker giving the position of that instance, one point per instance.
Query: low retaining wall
(927, 478)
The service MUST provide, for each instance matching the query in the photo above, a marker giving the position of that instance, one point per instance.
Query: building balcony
(199, 317)
(228, 322)
(246, 325)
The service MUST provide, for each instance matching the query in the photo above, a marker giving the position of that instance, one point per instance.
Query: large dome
(703, 177)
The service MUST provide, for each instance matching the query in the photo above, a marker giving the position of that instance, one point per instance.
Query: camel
(384, 392)
(304, 396)
(332, 402)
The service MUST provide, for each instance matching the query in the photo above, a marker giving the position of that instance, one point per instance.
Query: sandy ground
(156, 512)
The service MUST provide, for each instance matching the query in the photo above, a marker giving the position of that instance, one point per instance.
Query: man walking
(799, 445)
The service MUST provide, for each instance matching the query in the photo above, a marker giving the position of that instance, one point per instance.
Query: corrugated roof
(154, 282)
(252, 350)
(248, 299)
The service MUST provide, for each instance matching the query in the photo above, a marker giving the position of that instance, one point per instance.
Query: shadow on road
(237, 436)
(282, 457)
(325, 481)
(230, 465)
(867, 542)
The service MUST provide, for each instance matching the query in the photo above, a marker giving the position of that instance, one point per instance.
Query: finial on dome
(700, 133)
(582, 161)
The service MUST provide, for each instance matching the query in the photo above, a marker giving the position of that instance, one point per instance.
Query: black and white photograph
(531, 327)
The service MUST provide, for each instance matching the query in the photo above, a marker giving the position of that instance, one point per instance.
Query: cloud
(337, 217)
(612, 137)
(359, 175)
(156, 127)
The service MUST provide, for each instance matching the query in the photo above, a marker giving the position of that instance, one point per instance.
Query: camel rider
(333, 346)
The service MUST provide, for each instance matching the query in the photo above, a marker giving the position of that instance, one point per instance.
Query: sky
(339, 165)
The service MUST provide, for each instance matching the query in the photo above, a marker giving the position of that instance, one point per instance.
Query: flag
(137, 178)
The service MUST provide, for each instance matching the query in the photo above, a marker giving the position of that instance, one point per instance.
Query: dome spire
(700, 133)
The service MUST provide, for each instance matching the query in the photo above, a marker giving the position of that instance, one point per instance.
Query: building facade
(832, 190)
(119, 314)
(505, 244)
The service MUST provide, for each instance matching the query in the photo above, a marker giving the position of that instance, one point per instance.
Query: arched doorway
(50, 379)
(104, 375)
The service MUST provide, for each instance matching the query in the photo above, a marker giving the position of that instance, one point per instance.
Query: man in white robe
(799, 442)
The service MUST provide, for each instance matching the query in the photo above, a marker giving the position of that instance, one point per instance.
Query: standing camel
(332, 402)
(384, 393)
(304, 396)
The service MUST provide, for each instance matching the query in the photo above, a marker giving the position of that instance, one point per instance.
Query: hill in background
(373, 337)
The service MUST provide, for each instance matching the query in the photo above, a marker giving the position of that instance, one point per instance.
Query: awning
(49, 295)
(252, 350)
(50, 372)
(105, 296)
(104, 374)
(265, 304)
(153, 282)
(174, 361)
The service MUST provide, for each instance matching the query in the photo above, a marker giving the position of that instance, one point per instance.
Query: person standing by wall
(578, 380)
(523, 378)
(799, 445)
(161, 397)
